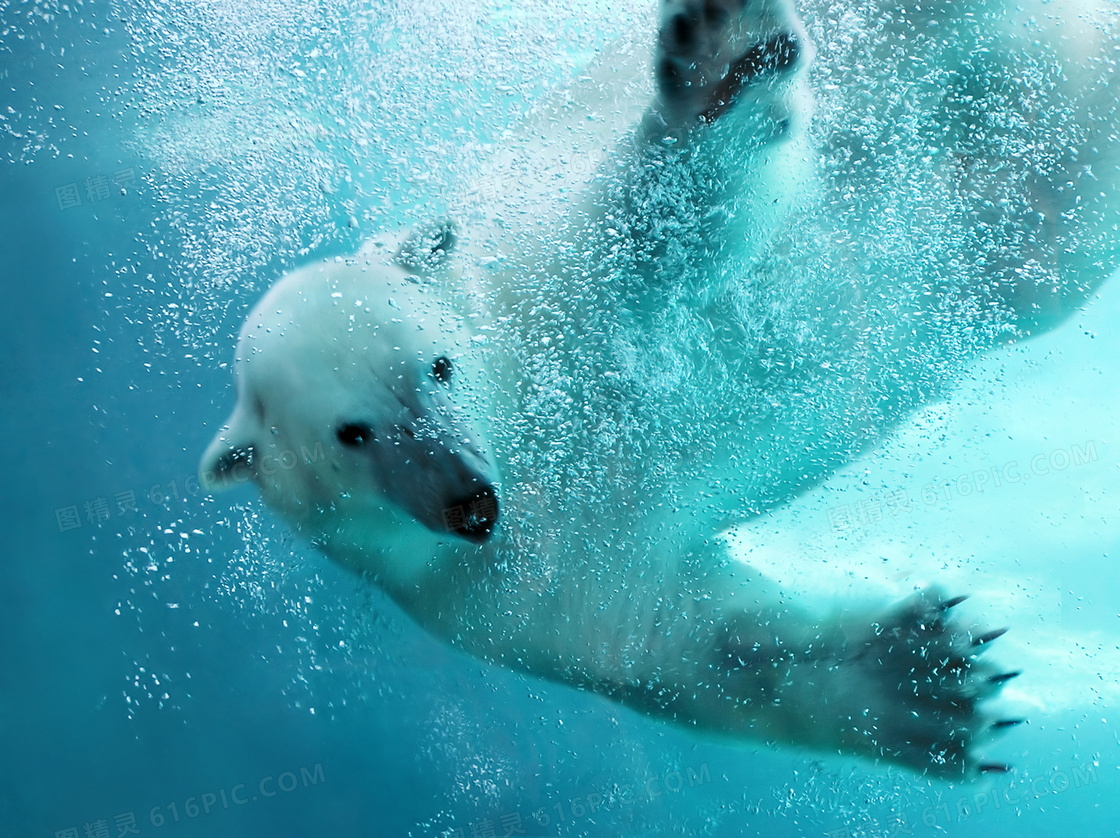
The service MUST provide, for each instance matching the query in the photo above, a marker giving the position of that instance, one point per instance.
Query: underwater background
(175, 664)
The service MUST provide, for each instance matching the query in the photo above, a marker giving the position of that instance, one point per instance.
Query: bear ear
(230, 457)
(427, 247)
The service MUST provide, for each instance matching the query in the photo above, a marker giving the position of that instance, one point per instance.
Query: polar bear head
(355, 391)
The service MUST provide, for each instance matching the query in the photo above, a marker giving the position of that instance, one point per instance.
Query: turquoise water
(176, 664)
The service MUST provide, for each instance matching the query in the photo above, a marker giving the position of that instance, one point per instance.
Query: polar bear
(532, 436)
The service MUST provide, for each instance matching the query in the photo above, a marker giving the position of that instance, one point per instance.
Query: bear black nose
(474, 516)
(355, 434)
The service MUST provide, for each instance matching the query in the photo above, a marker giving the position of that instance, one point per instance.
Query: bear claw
(984, 639)
(952, 603)
(1004, 678)
(994, 768)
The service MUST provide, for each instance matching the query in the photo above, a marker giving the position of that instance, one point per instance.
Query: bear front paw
(925, 687)
(710, 52)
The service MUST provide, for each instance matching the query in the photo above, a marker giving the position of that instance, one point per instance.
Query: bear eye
(441, 369)
(354, 435)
